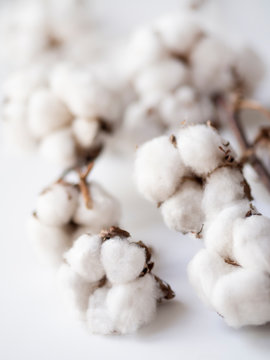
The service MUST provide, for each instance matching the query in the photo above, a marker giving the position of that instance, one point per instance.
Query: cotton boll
(46, 113)
(199, 148)
(243, 298)
(211, 66)
(142, 122)
(182, 212)
(84, 257)
(250, 68)
(59, 147)
(158, 169)
(98, 319)
(59, 79)
(123, 261)
(223, 186)
(144, 48)
(251, 244)
(204, 271)
(161, 77)
(85, 131)
(132, 305)
(104, 213)
(50, 242)
(57, 204)
(179, 32)
(218, 231)
(75, 291)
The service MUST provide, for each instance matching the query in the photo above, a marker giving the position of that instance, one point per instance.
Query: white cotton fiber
(84, 257)
(223, 186)
(56, 204)
(105, 210)
(59, 147)
(218, 231)
(243, 298)
(85, 131)
(123, 261)
(204, 271)
(179, 32)
(199, 148)
(211, 66)
(251, 242)
(75, 291)
(46, 113)
(98, 319)
(132, 305)
(182, 212)
(158, 169)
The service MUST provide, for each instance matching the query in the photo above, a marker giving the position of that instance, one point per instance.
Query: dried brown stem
(84, 186)
(253, 105)
(247, 150)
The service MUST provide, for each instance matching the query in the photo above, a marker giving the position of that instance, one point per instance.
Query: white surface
(33, 324)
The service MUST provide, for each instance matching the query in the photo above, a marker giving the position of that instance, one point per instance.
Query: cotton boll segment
(211, 66)
(179, 32)
(204, 271)
(84, 258)
(57, 204)
(182, 212)
(98, 319)
(50, 242)
(218, 232)
(199, 147)
(46, 113)
(145, 47)
(224, 186)
(251, 242)
(75, 291)
(158, 169)
(250, 68)
(123, 261)
(85, 131)
(161, 77)
(243, 298)
(104, 213)
(132, 305)
(59, 147)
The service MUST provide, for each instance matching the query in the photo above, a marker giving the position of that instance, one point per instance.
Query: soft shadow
(168, 315)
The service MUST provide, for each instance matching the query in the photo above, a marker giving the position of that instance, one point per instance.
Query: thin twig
(247, 150)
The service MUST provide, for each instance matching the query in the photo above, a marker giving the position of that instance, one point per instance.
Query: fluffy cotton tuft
(251, 242)
(158, 169)
(123, 261)
(182, 212)
(243, 298)
(57, 204)
(223, 187)
(132, 305)
(204, 271)
(199, 147)
(84, 258)
(75, 291)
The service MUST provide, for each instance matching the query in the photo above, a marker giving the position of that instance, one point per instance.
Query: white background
(33, 324)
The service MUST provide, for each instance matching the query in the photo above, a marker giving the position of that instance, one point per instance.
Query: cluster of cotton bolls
(64, 211)
(45, 30)
(200, 188)
(107, 282)
(176, 69)
(66, 111)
